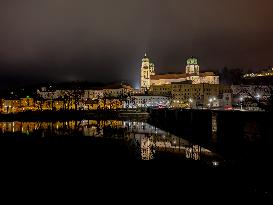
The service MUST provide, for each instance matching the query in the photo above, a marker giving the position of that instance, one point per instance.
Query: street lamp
(258, 97)
(191, 101)
(241, 99)
(210, 101)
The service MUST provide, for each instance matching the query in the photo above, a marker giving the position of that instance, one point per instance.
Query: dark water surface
(232, 169)
(109, 138)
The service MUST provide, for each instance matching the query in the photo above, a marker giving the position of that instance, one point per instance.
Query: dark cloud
(104, 40)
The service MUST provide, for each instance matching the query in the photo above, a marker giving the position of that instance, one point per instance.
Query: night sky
(104, 40)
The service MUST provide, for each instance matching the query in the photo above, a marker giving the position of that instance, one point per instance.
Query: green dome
(192, 61)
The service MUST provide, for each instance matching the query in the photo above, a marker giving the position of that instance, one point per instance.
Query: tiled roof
(169, 76)
(178, 75)
(207, 74)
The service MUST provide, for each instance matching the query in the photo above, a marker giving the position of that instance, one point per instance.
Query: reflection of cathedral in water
(148, 140)
(147, 149)
(193, 152)
(146, 146)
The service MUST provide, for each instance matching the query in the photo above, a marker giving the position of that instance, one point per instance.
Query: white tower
(146, 73)
(192, 66)
(152, 68)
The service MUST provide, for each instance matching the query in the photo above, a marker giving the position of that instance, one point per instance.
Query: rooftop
(178, 75)
(169, 76)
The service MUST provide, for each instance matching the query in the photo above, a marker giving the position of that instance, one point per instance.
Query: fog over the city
(104, 40)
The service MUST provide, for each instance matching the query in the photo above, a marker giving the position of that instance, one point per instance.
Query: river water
(134, 140)
(113, 138)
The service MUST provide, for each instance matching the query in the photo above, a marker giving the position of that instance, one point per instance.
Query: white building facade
(117, 91)
(147, 101)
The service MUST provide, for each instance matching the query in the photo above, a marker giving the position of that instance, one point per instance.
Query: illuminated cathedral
(192, 73)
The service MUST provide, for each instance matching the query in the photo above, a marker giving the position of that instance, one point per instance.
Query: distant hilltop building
(148, 76)
(264, 73)
(265, 77)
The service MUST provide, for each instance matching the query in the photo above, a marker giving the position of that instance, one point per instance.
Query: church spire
(145, 55)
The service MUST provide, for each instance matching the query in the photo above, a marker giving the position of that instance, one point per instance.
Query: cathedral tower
(147, 69)
(192, 66)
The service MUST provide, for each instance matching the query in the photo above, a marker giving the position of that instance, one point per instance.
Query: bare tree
(72, 96)
(262, 95)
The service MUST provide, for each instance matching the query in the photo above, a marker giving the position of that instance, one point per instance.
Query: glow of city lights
(258, 96)
(215, 163)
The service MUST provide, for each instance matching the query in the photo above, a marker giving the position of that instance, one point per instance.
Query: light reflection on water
(148, 140)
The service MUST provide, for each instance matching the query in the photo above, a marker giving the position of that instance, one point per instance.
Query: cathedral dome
(192, 61)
